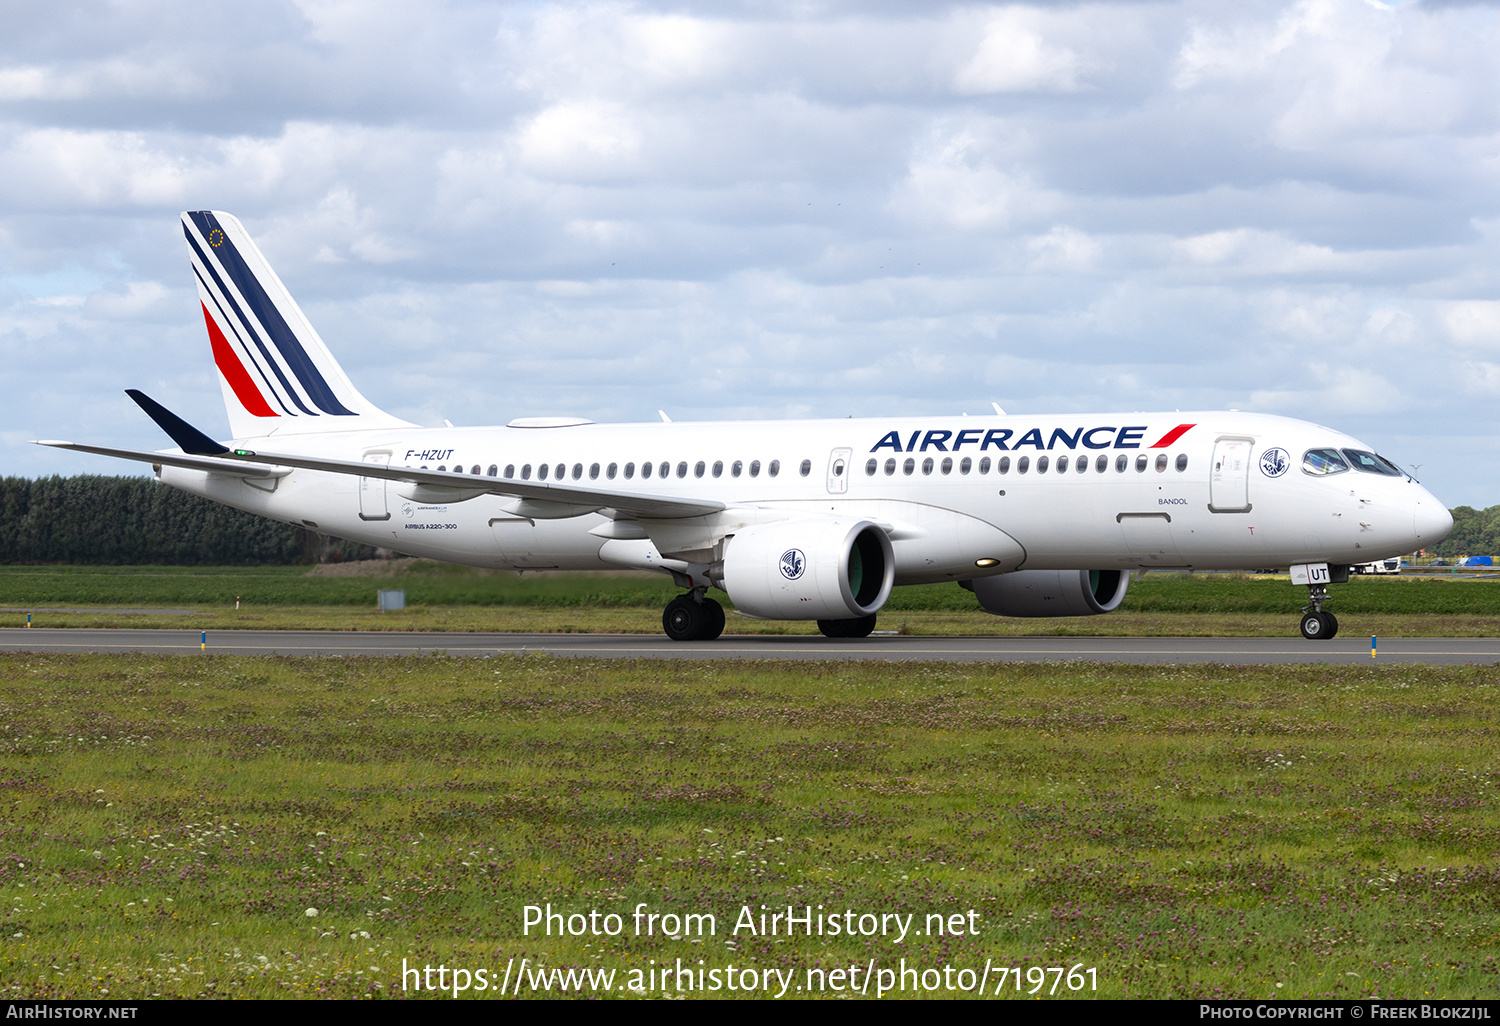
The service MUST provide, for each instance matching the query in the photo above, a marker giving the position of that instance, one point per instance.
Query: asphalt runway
(1246, 651)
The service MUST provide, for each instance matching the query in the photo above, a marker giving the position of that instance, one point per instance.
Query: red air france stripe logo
(234, 372)
(1172, 436)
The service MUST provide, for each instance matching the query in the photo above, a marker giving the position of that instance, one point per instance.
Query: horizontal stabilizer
(188, 438)
(169, 459)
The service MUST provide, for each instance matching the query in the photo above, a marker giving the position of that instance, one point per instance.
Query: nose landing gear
(1316, 624)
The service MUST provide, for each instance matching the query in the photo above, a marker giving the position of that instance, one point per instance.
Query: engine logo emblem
(1274, 462)
(793, 563)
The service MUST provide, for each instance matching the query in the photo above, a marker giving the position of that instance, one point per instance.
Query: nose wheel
(1319, 626)
(1316, 624)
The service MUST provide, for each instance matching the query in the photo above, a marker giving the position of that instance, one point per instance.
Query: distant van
(1476, 561)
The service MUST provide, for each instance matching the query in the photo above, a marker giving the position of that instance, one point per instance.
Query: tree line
(1476, 532)
(107, 521)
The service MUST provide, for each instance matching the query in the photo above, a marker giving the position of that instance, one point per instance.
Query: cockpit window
(1371, 464)
(1323, 461)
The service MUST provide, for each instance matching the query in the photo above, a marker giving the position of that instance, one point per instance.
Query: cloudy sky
(769, 210)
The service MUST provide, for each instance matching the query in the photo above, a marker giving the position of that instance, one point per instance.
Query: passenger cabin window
(890, 467)
(594, 472)
(541, 472)
(947, 465)
(526, 472)
(611, 470)
(492, 471)
(510, 470)
(443, 467)
(984, 465)
(1023, 464)
(870, 467)
(774, 468)
(1320, 462)
(1002, 465)
(718, 468)
(1083, 465)
(755, 468)
(805, 468)
(1101, 464)
(681, 469)
(1121, 461)
(474, 470)
(1181, 462)
(629, 471)
(578, 471)
(699, 468)
(927, 465)
(1041, 464)
(665, 469)
(1371, 463)
(965, 465)
(562, 468)
(1161, 463)
(1062, 464)
(735, 468)
(1140, 463)
(909, 466)
(645, 471)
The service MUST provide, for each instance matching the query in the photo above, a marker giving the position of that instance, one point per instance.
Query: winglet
(187, 437)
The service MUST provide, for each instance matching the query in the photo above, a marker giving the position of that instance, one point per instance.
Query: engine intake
(809, 569)
(1051, 592)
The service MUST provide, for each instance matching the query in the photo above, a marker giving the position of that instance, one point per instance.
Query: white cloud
(603, 208)
(580, 142)
(1013, 57)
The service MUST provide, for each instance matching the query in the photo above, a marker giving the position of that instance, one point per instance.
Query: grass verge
(275, 827)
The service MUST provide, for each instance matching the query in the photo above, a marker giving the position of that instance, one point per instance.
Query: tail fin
(276, 373)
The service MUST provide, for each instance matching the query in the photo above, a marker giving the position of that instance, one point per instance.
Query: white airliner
(795, 520)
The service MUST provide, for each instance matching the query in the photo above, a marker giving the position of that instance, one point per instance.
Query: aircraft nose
(1431, 521)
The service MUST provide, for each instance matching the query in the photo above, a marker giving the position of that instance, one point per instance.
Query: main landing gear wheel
(690, 619)
(714, 617)
(859, 627)
(1319, 626)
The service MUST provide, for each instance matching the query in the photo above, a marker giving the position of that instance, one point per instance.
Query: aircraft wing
(540, 500)
(172, 459)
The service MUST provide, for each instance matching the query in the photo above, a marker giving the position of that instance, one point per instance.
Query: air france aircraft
(794, 520)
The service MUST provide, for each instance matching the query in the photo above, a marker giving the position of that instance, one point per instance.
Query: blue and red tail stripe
(234, 371)
(263, 313)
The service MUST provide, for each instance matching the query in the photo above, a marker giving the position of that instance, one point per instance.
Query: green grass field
(169, 823)
(442, 597)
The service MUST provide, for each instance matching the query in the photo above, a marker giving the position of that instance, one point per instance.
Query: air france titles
(1007, 440)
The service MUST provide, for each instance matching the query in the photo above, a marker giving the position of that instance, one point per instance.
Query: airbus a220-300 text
(796, 520)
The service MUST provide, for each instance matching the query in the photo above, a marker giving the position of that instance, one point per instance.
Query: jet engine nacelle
(1051, 592)
(809, 569)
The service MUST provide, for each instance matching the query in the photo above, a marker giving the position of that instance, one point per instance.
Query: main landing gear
(696, 617)
(693, 617)
(1316, 624)
(860, 627)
